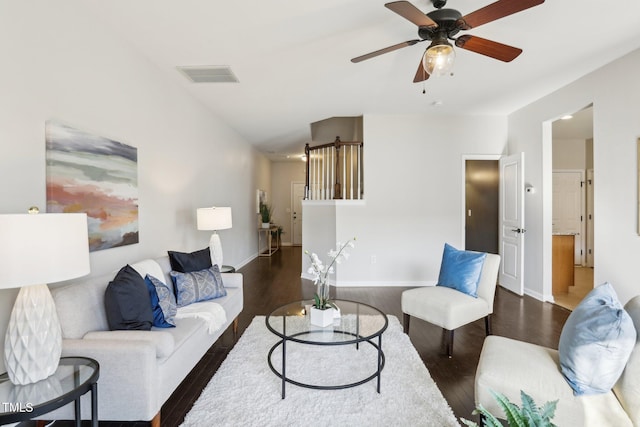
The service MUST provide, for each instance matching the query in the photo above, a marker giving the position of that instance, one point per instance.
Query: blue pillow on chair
(461, 270)
(596, 342)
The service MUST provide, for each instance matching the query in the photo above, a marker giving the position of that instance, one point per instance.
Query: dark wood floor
(271, 282)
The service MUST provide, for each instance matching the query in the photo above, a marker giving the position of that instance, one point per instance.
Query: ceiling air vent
(209, 74)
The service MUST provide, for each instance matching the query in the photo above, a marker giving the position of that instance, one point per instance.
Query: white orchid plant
(321, 272)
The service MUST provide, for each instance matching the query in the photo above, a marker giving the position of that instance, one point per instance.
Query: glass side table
(227, 269)
(74, 377)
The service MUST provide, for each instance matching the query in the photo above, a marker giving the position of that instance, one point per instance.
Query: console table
(272, 244)
(74, 377)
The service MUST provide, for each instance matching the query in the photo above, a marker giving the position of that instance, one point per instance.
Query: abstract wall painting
(97, 176)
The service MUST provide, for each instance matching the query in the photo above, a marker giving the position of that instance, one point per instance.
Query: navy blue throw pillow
(127, 301)
(188, 262)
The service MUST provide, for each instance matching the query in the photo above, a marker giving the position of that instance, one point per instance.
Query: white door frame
(547, 202)
(589, 220)
(463, 167)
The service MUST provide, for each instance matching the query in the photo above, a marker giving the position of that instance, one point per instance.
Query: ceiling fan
(441, 25)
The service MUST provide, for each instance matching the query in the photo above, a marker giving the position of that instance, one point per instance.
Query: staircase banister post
(337, 189)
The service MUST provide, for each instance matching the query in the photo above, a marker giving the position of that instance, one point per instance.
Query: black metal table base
(282, 374)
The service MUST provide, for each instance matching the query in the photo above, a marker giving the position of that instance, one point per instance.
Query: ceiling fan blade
(421, 74)
(385, 50)
(410, 12)
(490, 48)
(494, 11)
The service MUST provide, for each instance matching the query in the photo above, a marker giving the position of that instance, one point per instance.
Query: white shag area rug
(245, 392)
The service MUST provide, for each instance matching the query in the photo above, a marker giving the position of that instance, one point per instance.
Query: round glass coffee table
(357, 323)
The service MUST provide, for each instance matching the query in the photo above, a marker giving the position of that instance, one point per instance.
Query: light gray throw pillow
(596, 342)
(198, 285)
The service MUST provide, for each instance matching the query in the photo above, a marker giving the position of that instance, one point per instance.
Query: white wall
(569, 154)
(347, 128)
(282, 175)
(318, 230)
(413, 196)
(60, 63)
(616, 129)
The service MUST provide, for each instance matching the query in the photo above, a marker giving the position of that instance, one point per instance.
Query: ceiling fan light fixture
(439, 58)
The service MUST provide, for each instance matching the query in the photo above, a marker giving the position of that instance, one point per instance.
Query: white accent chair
(451, 309)
(508, 366)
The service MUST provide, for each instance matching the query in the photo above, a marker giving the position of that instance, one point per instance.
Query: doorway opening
(502, 200)
(482, 185)
(572, 208)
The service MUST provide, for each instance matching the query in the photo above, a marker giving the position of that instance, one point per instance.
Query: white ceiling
(292, 57)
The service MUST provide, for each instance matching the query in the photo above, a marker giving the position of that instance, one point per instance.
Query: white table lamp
(214, 218)
(36, 249)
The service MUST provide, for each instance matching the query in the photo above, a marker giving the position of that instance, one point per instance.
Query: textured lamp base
(33, 342)
(215, 246)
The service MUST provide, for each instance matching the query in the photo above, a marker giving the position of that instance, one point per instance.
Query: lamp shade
(42, 248)
(36, 249)
(214, 218)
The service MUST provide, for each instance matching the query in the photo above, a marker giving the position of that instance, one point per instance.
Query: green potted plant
(277, 234)
(265, 214)
(529, 415)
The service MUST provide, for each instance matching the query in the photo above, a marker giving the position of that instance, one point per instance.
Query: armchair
(450, 308)
(508, 366)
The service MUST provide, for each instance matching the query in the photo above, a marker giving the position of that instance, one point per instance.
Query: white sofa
(139, 370)
(508, 366)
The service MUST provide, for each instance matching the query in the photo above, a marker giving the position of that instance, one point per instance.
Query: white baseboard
(537, 295)
(372, 283)
(246, 261)
(305, 275)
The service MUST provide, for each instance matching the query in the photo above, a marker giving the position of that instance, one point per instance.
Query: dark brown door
(482, 181)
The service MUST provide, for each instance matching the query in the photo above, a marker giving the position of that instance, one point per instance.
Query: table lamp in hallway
(214, 219)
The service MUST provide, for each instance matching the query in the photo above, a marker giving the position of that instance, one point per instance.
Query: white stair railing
(335, 171)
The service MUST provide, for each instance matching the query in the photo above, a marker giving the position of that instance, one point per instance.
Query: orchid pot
(320, 317)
